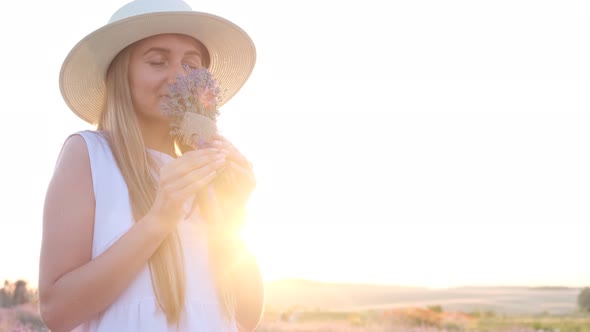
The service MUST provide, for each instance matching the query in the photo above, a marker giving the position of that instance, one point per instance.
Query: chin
(153, 118)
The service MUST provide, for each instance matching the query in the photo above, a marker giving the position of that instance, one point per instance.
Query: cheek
(145, 89)
(144, 83)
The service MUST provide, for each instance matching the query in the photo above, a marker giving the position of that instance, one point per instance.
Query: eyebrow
(164, 50)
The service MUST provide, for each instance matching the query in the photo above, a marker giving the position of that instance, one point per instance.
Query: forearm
(91, 288)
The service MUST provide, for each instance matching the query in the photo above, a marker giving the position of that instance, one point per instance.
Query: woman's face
(154, 63)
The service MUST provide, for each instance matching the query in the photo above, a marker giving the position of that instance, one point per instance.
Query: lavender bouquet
(192, 107)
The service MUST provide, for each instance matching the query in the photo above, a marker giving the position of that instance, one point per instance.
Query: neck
(156, 136)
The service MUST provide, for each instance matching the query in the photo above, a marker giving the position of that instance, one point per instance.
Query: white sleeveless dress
(136, 309)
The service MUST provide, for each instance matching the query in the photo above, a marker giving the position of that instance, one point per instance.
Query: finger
(219, 139)
(222, 138)
(235, 155)
(196, 175)
(193, 157)
(239, 159)
(198, 158)
(189, 162)
(196, 186)
(232, 152)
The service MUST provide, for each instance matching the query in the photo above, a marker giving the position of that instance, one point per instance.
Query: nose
(176, 69)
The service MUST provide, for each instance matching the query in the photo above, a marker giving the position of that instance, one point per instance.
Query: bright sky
(426, 143)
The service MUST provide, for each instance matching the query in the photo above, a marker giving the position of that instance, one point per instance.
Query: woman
(123, 248)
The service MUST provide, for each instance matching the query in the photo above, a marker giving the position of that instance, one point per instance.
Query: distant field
(508, 300)
(25, 319)
(307, 306)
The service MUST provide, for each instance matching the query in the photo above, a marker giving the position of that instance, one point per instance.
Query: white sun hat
(83, 73)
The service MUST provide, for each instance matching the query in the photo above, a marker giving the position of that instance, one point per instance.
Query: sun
(276, 246)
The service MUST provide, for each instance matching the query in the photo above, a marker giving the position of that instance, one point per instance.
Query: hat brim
(83, 73)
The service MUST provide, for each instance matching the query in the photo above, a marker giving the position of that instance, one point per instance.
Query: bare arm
(72, 287)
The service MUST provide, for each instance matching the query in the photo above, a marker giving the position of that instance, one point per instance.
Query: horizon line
(474, 285)
(380, 284)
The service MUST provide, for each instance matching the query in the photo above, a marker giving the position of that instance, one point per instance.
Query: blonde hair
(119, 122)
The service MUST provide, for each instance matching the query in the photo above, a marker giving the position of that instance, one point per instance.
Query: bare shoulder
(74, 154)
(68, 214)
(72, 175)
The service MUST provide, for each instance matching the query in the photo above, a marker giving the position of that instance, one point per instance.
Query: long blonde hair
(120, 124)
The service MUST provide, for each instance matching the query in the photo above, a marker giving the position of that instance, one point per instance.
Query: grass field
(25, 319)
(307, 306)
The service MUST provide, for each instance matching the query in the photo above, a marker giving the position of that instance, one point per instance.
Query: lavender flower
(192, 106)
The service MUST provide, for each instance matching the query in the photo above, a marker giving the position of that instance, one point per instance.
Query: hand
(182, 178)
(240, 166)
(231, 189)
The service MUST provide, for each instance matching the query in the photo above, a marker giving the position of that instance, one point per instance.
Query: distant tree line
(584, 299)
(13, 294)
